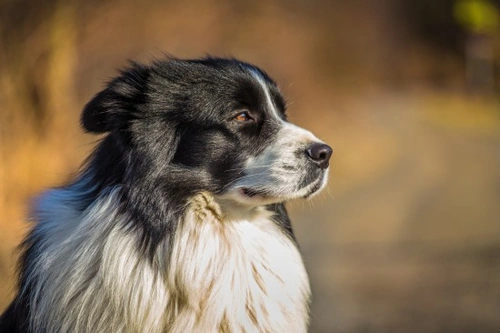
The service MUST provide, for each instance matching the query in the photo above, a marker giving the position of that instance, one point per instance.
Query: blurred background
(407, 236)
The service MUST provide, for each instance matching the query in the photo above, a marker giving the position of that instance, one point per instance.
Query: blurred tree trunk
(37, 59)
(37, 63)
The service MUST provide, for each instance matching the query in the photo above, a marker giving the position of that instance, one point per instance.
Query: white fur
(246, 274)
(88, 275)
(269, 101)
(225, 274)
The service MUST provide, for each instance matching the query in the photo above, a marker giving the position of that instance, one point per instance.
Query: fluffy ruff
(177, 221)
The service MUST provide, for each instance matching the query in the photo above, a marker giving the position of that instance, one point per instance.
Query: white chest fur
(224, 274)
(235, 275)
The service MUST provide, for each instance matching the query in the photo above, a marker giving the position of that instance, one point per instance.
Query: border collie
(176, 222)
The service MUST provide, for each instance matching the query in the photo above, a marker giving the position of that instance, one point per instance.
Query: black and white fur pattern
(177, 221)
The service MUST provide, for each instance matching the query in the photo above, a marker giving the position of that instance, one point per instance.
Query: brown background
(407, 236)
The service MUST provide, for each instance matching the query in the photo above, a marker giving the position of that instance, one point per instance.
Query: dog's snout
(320, 154)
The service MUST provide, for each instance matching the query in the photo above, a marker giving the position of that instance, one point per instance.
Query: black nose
(320, 154)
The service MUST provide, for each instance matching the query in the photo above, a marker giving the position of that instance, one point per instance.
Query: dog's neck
(236, 272)
(227, 209)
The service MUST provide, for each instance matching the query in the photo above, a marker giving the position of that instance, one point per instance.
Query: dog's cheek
(203, 148)
(215, 152)
(228, 169)
(224, 159)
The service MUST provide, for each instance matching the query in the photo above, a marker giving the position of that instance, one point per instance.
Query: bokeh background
(407, 236)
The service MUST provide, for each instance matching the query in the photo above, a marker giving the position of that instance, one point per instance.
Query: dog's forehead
(272, 96)
(236, 72)
(218, 84)
(254, 84)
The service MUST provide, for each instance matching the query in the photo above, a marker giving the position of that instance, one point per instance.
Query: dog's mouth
(305, 192)
(316, 187)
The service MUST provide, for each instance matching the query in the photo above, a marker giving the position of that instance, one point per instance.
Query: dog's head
(215, 125)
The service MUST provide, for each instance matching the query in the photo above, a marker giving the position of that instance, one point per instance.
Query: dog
(177, 220)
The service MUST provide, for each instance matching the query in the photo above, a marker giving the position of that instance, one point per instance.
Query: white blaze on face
(270, 104)
(288, 130)
(278, 172)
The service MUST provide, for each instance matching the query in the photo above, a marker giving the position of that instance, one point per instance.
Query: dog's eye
(243, 116)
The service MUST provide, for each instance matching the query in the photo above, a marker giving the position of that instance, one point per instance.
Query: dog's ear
(113, 108)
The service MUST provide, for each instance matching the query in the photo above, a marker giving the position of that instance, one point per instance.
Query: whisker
(249, 168)
(328, 191)
(245, 177)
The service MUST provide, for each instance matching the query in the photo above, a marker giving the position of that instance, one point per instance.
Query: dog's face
(216, 125)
